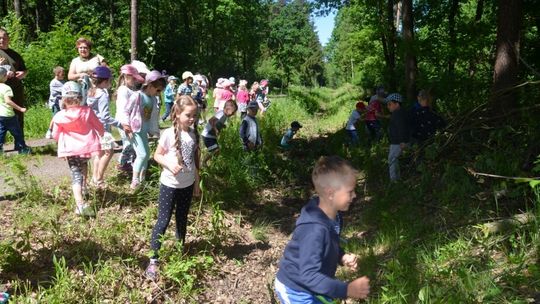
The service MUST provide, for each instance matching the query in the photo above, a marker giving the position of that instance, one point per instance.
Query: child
(199, 87)
(287, 137)
(256, 94)
(216, 94)
(98, 100)
(127, 82)
(169, 96)
(177, 152)
(226, 94)
(242, 98)
(425, 122)
(213, 127)
(307, 270)
(265, 101)
(185, 88)
(55, 96)
(77, 130)
(139, 119)
(55, 88)
(398, 133)
(353, 119)
(8, 119)
(374, 112)
(249, 129)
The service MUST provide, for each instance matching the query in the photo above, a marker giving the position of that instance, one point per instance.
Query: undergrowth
(441, 235)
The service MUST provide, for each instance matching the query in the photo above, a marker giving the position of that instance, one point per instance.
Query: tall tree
(410, 56)
(452, 14)
(505, 71)
(134, 29)
(17, 6)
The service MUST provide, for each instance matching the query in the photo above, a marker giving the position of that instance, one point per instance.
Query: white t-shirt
(85, 66)
(355, 116)
(187, 176)
(122, 96)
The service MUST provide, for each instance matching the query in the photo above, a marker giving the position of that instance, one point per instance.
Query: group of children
(405, 126)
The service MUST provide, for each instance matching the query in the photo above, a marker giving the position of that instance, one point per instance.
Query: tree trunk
(134, 28)
(505, 71)
(454, 10)
(388, 41)
(43, 15)
(410, 57)
(17, 6)
(477, 18)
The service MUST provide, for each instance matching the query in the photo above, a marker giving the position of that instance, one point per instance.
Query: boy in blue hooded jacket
(308, 267)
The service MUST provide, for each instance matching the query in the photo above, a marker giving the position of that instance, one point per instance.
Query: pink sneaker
(134, 184)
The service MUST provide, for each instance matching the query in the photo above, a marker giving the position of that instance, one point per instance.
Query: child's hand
(350, 261)
(175, 168)
(22, 110)
(359, 288)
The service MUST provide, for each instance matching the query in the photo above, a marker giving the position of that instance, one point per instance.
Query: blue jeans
(287, 295)
(11, 124)
(353, 137)
(168, 107)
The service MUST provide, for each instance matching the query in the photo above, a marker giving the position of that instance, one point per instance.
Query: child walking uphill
(98, 100)
(77, 130)
(139, 118)
(128, 81)
(307, 270)
(178, 153)
(249, 129)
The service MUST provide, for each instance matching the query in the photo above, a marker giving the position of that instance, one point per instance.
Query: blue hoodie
(311, 257)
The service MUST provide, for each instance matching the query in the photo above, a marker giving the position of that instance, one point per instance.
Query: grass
(422, 239)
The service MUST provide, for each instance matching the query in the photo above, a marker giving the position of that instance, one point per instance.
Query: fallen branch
(518, 178)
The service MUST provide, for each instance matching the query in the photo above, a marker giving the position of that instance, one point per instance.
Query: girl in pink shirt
(242, 98)
(77, 130)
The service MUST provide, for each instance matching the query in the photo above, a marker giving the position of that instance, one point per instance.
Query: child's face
(153, 90)
(344, 195)
(392, 106)
(187, 117)
(228, 110)
(252, 112)
(60, 75)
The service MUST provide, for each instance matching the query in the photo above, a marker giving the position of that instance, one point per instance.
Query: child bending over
(308, 267)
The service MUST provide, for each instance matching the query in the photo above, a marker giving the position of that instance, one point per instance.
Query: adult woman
(14, 64)
(86, 62)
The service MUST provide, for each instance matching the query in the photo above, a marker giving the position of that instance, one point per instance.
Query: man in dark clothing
(14, 63)
(398, 133)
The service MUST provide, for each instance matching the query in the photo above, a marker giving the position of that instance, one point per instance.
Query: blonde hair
(69, 101)
(179, 106)
(332, 172)
(57, 70)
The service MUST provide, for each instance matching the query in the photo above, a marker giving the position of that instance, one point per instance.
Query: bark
(505, 70)
(410, 57)
(477, 18)
(454, 10)
(134, 28)
(388, 41)
(17, 6)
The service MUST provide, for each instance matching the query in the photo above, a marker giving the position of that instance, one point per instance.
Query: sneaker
(152, 271)
(124, 168)
(48, 135)
(84, 210)
(134, 184)
(25, 151)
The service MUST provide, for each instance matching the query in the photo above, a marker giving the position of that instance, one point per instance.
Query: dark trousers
(12, 125)
(169, 200)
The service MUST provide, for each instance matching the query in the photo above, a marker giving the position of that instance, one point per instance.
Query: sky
(324, 26)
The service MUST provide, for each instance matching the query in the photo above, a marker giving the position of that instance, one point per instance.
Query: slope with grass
(423, 240)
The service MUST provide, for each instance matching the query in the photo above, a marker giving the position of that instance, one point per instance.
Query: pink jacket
(77, 131)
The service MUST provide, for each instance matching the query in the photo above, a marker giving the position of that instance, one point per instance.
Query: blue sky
(324, 26)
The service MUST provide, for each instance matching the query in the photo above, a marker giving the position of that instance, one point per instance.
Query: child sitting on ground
(8, 119)
(308, 267)
(288, 136)
(356, 115)
(249, 129)
(213, 128)
(77, 130)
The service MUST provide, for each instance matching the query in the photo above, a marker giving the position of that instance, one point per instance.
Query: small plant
(260, 230)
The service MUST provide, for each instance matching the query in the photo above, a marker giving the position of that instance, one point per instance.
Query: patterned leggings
(78, 167)
(170, 199)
